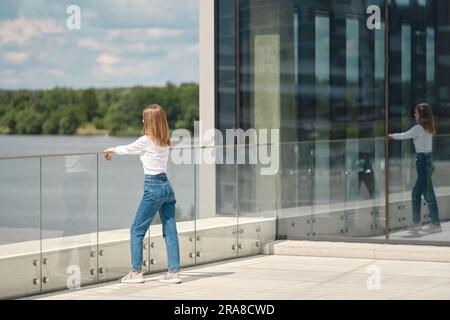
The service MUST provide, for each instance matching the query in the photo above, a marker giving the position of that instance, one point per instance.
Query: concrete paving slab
(284, 278)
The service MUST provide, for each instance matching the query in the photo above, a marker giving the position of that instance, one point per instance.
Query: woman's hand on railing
(107, 154)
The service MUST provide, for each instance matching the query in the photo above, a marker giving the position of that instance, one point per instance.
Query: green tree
(68, 123)
(28, 121)
(118, 110)
(51, 124)
(114, 120)
(9, 120)
(89, 104)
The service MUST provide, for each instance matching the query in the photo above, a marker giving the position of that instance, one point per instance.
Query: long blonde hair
(156, 125)
(426, 117)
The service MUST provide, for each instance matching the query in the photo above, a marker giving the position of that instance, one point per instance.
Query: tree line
(114, 111)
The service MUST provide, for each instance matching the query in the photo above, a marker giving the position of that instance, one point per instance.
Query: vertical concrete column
(206, 177)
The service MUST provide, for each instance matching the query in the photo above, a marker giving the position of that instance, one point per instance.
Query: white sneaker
(133, 278)
(432, 228)
(171, 278)
(415, 228)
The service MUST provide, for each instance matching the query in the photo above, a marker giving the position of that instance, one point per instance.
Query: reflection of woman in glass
(78, 222)
(76, 192)
(422, 134)
(153, 147)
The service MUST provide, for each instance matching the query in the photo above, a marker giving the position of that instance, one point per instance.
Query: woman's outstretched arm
(135, 148)
(411, 134)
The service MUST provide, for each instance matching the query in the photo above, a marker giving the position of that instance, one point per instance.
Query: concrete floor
(276, 277)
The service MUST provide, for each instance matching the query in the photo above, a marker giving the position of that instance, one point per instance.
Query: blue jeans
(424, 186)
(158, 196)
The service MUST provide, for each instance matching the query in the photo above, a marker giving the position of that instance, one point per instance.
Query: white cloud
(89, 43)
(128, 68)
(139, 34)
(15, 57)
(117, 47)
(138, 47)
(107, 59)
(21, 30)
(177, 53)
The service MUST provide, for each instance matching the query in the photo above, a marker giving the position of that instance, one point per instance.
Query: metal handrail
(195, 147)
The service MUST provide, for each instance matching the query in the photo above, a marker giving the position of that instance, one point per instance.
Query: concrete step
(358, 250)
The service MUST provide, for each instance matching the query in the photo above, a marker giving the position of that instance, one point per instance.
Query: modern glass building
(334, 87)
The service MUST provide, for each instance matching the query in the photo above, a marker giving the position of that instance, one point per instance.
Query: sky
(119, 43)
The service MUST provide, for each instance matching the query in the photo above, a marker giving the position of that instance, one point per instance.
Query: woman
(153, 148)
(422, 135)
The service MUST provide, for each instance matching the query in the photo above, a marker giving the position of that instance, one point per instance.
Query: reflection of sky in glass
(322, 48)
(402, 2)
(121, 43)
(422, 3)
(430, 54)
(379, 53)
(406, 53)
(352, 48)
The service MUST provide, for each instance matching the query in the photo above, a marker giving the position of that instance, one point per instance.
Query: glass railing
(334, 189)
(337, 190)
(65, 219)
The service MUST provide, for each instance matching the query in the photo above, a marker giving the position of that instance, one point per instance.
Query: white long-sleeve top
(423, 140)
(153, 157)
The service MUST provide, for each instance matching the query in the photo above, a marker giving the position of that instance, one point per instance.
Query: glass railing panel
(402, 167)
(120, 190)
(343, 183)
(296, 175)
(216, 223)
(329, 189)
(378, 213)
(259, 185)
(396, 187)
(365, 179)
(69, 221)
(20, 263)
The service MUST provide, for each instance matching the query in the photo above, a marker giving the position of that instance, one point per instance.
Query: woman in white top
(422, 135)
(153, 148)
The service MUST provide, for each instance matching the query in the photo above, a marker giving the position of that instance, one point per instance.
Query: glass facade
(317, 72)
